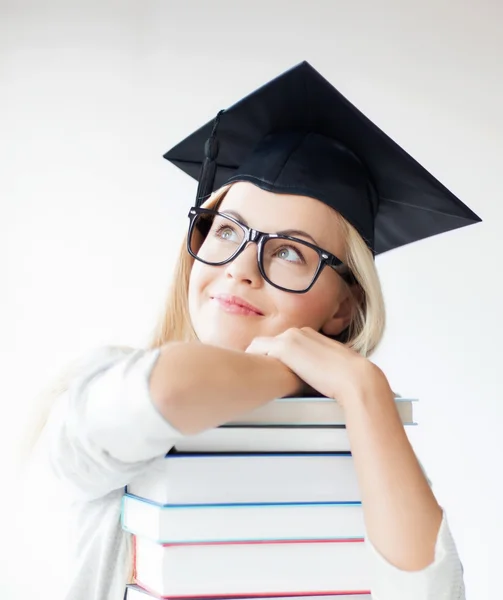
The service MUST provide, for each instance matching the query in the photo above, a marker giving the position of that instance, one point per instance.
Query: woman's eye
(290, 254)
(225, 232)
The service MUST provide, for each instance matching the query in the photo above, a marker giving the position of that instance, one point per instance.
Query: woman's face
(325, 307)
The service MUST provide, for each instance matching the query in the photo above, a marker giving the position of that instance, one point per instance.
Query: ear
(343, 314)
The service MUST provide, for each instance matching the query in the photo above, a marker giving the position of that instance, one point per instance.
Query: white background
(91, 216)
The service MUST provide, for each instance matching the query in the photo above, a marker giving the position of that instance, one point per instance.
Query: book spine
(134, 558)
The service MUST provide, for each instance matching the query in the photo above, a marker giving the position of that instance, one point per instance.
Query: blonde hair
(363, 334)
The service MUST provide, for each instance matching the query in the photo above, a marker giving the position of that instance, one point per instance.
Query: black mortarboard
(297, 134)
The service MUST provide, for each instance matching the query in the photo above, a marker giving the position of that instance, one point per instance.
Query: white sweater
(100, 435)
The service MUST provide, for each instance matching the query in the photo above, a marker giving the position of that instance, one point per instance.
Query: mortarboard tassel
(209, 165)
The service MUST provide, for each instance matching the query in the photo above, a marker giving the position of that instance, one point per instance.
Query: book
(267, 505)
(269, 438)
(310, 411)
(135, 592)
(271, 568)
(185, 478)
(180, 524)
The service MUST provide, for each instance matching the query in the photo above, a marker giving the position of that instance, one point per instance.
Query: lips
(235, 301)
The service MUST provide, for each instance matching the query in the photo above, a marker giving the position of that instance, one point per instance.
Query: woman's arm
(402, 516)
(114, 418)
(413, 554)
(196, 386)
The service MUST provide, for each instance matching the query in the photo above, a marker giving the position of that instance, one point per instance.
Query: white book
(178, 524)
(283, 568)
(310, 411)
(270, 438)
(248, 478)
(135, 592)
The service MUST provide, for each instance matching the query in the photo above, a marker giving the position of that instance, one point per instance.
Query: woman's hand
(326, 365)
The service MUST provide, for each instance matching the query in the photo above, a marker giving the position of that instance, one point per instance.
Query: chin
(225, 331)
(231, 340)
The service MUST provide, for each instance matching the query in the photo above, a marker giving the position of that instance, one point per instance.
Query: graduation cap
(298, 135)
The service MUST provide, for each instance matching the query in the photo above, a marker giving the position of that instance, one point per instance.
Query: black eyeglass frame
(326, 259)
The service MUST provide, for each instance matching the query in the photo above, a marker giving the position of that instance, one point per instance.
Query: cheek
(200, 276)
(307, 310)
(197, 283)
(201, 279)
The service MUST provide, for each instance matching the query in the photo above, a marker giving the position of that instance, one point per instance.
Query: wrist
(283, 380)
(291, 383)
(370, 383)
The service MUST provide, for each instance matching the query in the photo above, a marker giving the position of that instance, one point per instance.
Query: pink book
(249, 569)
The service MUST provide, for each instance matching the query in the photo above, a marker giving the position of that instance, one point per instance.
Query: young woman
(275, 294)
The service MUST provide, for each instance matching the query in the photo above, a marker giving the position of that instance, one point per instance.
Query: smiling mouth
(235, 305)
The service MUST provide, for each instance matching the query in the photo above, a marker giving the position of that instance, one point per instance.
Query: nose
(244, 267)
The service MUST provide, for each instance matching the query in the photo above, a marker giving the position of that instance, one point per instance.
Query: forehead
(270, 212)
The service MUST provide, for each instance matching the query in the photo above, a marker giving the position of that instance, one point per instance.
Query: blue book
(204, 523)
(220, 478)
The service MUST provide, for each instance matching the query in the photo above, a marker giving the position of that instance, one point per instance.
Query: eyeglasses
(287, 263)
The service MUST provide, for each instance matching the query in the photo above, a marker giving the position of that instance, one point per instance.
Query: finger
(310, 333)
(259, 345)
(320, 337)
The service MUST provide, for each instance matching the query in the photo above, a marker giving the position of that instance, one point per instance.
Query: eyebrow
(290, 232)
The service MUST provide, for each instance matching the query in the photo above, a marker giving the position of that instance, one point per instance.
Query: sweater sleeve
(105, 430)
(441, 580)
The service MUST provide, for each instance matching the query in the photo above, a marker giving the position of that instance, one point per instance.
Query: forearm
(402, 516)
(196, 386)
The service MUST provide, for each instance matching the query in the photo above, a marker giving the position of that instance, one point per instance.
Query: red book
(260, 568)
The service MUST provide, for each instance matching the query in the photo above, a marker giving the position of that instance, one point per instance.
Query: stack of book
(267, 505)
